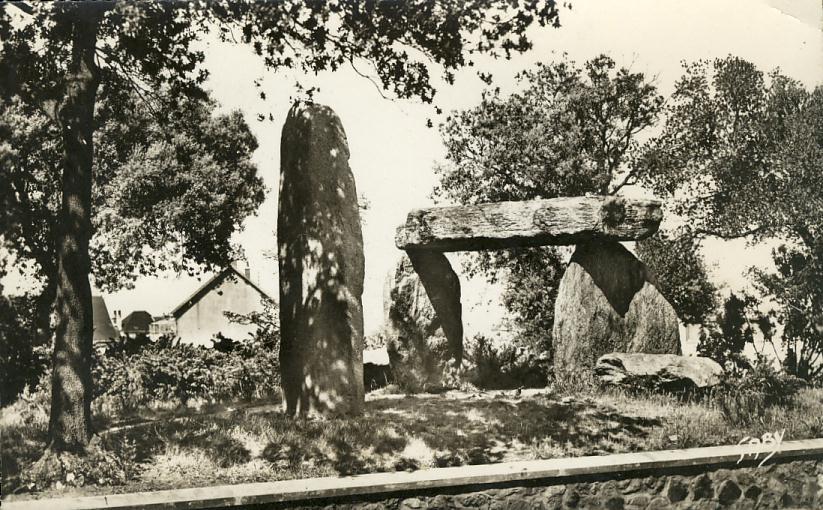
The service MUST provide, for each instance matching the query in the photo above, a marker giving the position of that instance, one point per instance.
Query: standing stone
(422, 297)
(443, 288)
(406, 307)
(320, 247)
(608, 302)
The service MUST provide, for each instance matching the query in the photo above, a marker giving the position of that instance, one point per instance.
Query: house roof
(211, 284)
(103, 328)
(136, 322)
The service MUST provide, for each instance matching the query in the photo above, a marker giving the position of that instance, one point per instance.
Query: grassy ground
(245, 444)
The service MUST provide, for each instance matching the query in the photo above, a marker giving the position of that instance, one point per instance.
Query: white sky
(392, 150)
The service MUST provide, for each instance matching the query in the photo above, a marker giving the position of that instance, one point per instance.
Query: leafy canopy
(740, 156)
(572, 130)
(172, 183)
(169, 189)
(683, 277)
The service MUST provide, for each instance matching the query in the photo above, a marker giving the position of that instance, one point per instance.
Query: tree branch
(729, 236)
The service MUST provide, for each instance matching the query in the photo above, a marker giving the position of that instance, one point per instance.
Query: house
(136, 323)
(202, 315)
(162, 326)
(103, 328)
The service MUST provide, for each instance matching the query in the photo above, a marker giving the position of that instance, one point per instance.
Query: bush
(181, 373)
(21, 363)
(506, 367)
(743, 397)
(104, 462)
(728, 335)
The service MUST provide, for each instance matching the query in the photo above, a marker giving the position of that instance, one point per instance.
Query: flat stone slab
(556, 221)
(667, 371)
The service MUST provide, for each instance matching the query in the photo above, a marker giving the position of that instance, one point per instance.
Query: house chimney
(248, 272)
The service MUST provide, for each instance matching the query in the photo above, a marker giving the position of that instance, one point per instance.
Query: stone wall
(794, 484)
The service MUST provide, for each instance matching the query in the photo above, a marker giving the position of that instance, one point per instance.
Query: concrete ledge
(475, 476)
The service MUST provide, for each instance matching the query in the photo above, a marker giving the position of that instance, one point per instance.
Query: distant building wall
(162, 326)
(205, 318)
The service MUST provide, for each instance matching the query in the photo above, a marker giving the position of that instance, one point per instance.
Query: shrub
(103, 463)
(181, 373)
(744, 396)
(21, 363)
(506, 366)
(729, 334)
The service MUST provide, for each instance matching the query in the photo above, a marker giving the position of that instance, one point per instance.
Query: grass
(247, 444)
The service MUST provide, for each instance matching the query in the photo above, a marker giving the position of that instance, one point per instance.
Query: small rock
(474, 500)
(639, 501)
(728, 492)
(571, 498)
(702, 487)
(753, 492)
(631, 486)
(412, 504)
(614, 502)
(659, 503)
(677, 490)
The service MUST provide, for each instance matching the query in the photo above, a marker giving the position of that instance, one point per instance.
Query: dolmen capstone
(320, 247)
(608, 301)
(668, 372)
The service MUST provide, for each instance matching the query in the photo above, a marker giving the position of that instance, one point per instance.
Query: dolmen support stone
(658, 371)
(556, 221)
(422, 295)
(608, 301)
(443, 289)
(321, 265)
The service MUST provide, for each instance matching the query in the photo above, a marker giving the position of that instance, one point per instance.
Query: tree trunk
(43, 307)
(70, 419)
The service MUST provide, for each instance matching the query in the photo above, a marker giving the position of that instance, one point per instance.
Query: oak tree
(571, 130)
(739, 156)
(58, 57)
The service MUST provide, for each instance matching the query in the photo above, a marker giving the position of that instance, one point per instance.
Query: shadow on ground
(404, 433)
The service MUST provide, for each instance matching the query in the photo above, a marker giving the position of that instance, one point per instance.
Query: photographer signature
(775, 438)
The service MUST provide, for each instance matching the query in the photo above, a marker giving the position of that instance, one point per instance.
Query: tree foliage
(59, 57)
(797, 287)
(168, 193)
(683, 277)
(571, 130)
(728, 335)
(740, 156)
(739, 153)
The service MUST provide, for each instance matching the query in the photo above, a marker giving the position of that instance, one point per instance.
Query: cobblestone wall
(797, 484)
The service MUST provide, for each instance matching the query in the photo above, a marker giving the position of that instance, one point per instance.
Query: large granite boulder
(443, 290)
(320, 247)
(407, 309)
(608, 302)
(422, 298)
(665, 371)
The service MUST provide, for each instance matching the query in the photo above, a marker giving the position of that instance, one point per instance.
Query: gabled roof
(211, 284)
(103, 328)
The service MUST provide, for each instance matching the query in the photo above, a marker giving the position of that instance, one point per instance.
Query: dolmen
(608, 300)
